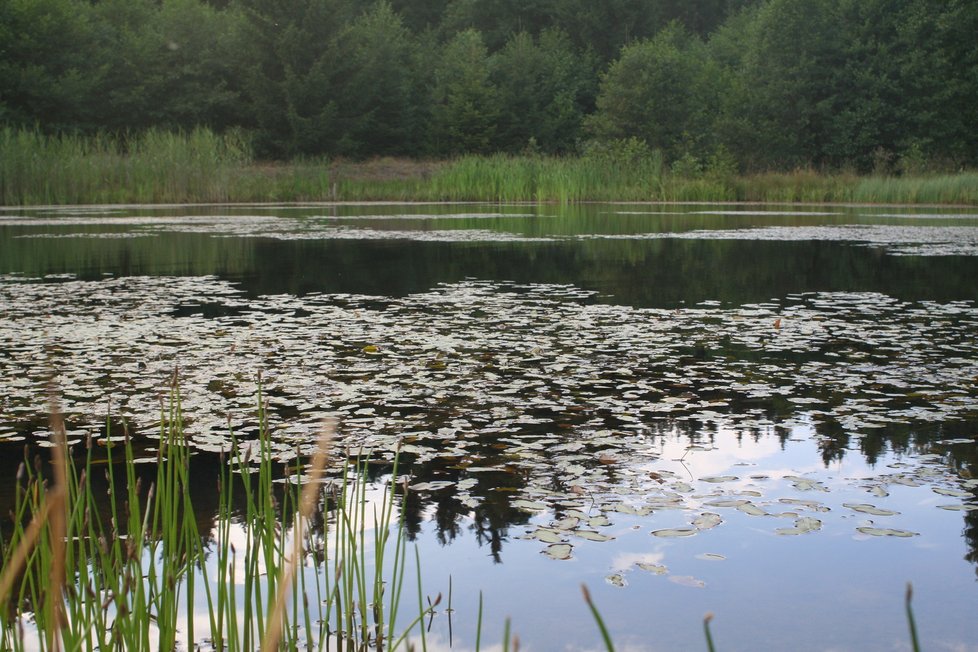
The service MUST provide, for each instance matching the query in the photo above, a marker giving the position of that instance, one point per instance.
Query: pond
(769, 413)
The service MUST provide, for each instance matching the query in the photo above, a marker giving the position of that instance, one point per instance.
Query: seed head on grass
(597, 617)
(706, 630)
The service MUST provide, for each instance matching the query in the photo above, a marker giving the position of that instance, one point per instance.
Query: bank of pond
(203, 166)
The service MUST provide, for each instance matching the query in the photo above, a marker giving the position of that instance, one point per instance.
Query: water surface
(765, 412)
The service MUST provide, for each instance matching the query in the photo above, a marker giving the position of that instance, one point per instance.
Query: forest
(882, 86)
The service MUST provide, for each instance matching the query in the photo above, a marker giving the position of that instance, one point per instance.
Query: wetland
(767, 412)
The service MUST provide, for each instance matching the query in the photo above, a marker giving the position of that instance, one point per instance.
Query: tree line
(884, 85)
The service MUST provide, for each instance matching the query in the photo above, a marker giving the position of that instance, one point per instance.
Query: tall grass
(154, 166)
(134, 580)
(201, 166)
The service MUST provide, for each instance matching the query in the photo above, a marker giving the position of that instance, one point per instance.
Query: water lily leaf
(886, 532)
(956, 493)
(726, 502)
(656, 569)
(616, 580)
(711, 556)
(434, 485)
(879, 491)
(568, 523)
(870, 509)
(806, 484)
(751, 509)
(810, 504)
(591, 535)
(634, 511)
(716, 479)
(803, 525)
(529, 505)
(558, 550)
(675, 532)
(706, 521)
(546, 535)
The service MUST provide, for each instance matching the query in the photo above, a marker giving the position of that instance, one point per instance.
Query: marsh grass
(136, 579)
(153, 166)
(201, 166)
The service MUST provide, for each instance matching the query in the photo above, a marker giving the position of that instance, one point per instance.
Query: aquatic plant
(204, 166)
(74, 578)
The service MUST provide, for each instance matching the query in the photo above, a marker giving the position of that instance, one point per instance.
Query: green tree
(420, 16)
(287, 66)
(940, 73)
(544, 89)
(664, 91)
(609, 25)
(165, 64)
(377, 87)
(840, 83)
(498, 20)
(464, 101)
(46, 63)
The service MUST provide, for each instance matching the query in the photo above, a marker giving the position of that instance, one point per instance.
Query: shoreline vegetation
(202, 166)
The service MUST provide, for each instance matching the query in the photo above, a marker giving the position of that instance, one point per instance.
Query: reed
(154, 166)
(202, 166)
(128, 579)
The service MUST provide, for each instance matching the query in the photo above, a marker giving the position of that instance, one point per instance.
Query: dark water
(768, 413)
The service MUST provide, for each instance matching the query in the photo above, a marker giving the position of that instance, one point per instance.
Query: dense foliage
(883, 85)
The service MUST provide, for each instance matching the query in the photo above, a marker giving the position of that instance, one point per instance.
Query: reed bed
(202, 166)
(154, 166)
(75, 579)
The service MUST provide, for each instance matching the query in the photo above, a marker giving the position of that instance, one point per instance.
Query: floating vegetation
(669, 533)
(553, 385)
(558, 550)
(803, 525)
(896, 240)
(885, 532)
(870, 509)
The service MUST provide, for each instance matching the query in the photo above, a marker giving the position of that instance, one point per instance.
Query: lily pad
(668, 533)
(559, 551)
(956, 493)
(803, 525)
(546, 535)
(706, 521)
(655, 569)
(886, 532)
(711, 556)
(616, 580)
(870, 509)
(591, 535)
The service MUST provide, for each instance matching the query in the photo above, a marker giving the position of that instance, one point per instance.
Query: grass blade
(914, 642)
(597, 617)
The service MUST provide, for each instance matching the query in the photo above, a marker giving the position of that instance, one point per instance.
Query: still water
(769, 413)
